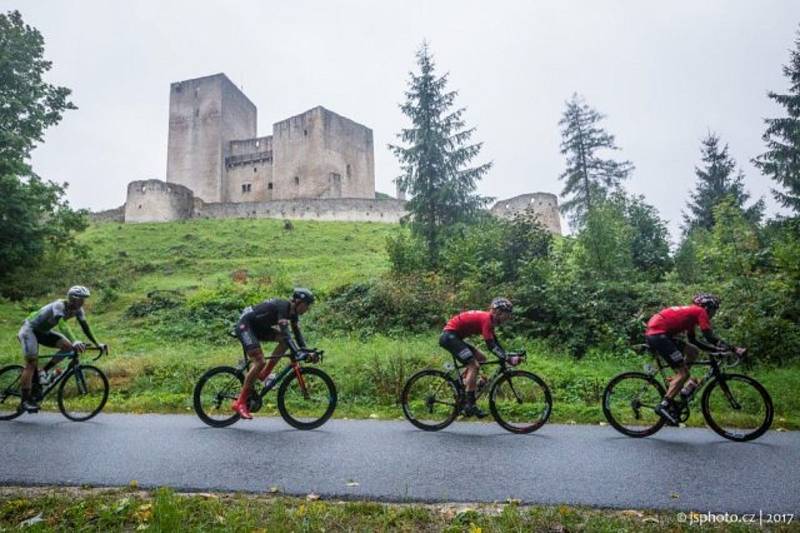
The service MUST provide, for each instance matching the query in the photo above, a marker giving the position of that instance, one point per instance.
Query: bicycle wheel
(214, 393)
(10, 395)
(629, 403)
(520, 401)
(737, 407)
(83, 393)
(308, 406)
(430, 400)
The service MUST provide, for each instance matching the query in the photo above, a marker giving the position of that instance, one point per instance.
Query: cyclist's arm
(711, 342)
(298, 335)
(495, 347)
(283, 325)
(87, 331)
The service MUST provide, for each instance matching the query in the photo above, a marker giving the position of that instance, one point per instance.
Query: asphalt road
(586, 465)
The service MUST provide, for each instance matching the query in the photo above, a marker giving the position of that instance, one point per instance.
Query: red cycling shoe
(242, 409)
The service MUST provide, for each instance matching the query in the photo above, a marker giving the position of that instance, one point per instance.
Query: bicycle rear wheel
(520, 401)
(10, 394)
(309, 405)
(629, 403)
(83, 393)
(430, 400)
(737, 407)
(214, 393)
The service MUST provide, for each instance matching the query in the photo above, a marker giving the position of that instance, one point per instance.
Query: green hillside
(164, 295)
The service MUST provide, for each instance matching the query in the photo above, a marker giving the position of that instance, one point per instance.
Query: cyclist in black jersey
(270, 320)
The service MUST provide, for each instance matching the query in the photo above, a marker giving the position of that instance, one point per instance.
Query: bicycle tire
(542, 389)
(449, 414)
(229, 391)
(81, 381)
(720, 381)
(617, 424)
(307, 371)
(11, 392)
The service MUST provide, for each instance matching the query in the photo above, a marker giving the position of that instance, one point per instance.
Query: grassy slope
(154, 374)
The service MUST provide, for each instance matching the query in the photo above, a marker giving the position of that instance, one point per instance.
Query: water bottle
(269, 380)
(44, 377)
(688, 389)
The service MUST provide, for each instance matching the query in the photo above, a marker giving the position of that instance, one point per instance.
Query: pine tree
(781, 161)
(435, 160)
(588, 177)
(717, 180)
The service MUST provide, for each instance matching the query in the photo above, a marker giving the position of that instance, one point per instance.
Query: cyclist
(660, 335)
(269, 321)
(471, 323)
(37, 329)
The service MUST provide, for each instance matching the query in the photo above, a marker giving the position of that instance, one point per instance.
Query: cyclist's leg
(669, 349)
(252, 347)
(30, 352)
(277, 353)
(467, 355)
(54, 340)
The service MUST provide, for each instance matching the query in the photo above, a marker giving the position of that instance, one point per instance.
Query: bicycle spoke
(629, 404)
(430, 400)
(520, 402)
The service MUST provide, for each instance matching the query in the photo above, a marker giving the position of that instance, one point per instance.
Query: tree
(781, 161)
(33, 212)
(435, 160)
(649, 235)
(717, 180)
(588, 177)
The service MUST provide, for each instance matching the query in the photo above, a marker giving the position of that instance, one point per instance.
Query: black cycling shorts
(669, 348)
(249, 338)
(461, 350)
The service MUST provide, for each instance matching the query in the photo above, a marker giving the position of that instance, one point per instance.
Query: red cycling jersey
(471, 323)
(674, 320)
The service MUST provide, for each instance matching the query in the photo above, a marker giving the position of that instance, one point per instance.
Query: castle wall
(204, 115)
(320, 154)
(544, 205)
(249, 181)
(347, 209)
(157, 201)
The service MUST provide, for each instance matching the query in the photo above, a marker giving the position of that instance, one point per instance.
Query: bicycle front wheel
(629, 403)
(430, 400)
(214, 393)
(309, 403)
(83, 393)
(10, 394)
(737, 407)
(520, 401)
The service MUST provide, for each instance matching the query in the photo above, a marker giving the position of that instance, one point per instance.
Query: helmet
(503, 304)
(707, 300)
(78, 291)
(303, 295)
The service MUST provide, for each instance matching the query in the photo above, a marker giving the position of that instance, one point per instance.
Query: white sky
(664, 73)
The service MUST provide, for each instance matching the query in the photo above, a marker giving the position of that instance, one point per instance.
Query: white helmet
(78, 291)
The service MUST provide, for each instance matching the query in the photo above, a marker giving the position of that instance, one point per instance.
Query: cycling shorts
(30, 340)
(668, 348)
(461, 350)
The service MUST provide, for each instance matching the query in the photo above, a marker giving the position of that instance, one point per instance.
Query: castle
(317, 165)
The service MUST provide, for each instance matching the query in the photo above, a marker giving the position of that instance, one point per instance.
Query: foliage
(717, 182)
(649, 237)
(34, 216)
(436, 156)
(588, 177)
(781, 161)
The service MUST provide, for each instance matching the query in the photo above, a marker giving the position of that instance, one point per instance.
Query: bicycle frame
(458, 366)
(714, 371)
(293, 366)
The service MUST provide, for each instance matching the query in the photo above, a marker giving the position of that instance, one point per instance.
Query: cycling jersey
(471, 323)
(675, 320)
(262, 323)
(54, 315)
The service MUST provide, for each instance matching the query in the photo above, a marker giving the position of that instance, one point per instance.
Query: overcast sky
(665, 73)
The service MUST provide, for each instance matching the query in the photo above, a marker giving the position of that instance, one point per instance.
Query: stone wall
(157, 201)
(544, 205)
(205, 114)
(109, 215)
(350, 209)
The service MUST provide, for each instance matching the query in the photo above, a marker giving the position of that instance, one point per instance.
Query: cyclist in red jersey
(660, 335)
(471, 323)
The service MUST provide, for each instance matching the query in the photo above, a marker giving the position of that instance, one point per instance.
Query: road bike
(519, 400)
(306, 395)
(735, 406)
(82, 390)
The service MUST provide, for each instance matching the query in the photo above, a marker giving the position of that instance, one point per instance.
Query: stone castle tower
(213, 149)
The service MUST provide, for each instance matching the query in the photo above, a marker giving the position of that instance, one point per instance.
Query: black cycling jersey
(264, 321)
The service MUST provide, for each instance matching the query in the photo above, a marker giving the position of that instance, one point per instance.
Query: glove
(514, 359)
(79, 346)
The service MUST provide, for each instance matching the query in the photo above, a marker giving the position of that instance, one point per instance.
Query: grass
(152, 370)
(68, 509)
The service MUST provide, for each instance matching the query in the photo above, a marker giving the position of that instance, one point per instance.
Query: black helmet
(303, 295)
(503, 304)
(706, 300)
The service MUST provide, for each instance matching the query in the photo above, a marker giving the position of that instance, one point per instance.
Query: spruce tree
(588, 177)
(717, 180)
(435, 157)
(781, 161)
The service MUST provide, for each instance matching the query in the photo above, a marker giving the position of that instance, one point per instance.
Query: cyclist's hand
(741, 352)
(79, 346)
(103, 348)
